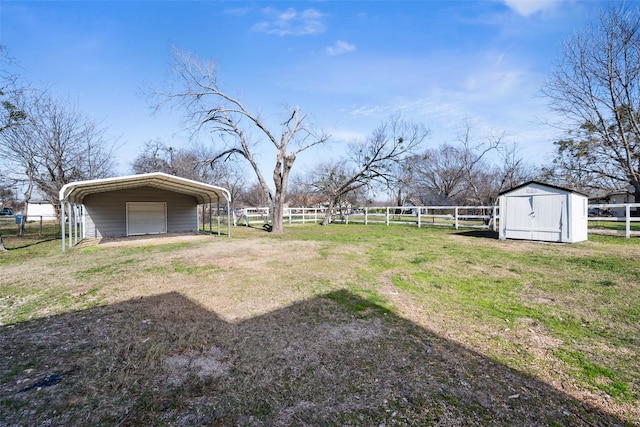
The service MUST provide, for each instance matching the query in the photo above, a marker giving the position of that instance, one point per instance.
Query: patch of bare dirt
(205, 365)
(147, 240)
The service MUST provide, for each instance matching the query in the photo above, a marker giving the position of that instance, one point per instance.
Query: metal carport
(72, 196)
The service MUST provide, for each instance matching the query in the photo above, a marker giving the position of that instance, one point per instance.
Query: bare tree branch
(208, 107)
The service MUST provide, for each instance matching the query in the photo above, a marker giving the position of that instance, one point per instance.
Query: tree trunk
(277, 213)
(327, 214)
(2, 248)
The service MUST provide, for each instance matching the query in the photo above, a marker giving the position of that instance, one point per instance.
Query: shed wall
(106, 212)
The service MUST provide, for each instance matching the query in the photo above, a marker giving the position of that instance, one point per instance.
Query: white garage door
(146, 218)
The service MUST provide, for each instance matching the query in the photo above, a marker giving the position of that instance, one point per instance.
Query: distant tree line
(46, 141)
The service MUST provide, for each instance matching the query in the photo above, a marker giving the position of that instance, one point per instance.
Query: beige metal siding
(106, 212)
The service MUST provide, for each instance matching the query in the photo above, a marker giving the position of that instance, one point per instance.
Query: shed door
(537, 217)
(549, 218)
(519, 217)
(146, 218)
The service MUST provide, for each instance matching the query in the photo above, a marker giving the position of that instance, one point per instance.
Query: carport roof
(75, 192)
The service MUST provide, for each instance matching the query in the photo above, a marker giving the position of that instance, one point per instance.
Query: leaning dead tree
(208, 107)
(370, 161)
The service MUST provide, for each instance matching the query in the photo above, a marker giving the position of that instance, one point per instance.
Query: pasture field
(339, 325)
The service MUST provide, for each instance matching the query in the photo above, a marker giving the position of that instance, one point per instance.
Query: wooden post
(627, 218)
(456, 217)
(495, 218)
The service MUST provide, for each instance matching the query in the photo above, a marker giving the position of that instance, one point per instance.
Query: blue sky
(348, 64)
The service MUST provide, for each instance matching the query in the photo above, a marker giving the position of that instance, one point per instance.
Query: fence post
(419, 219)
(387, 216)
(627, 218)
(366, 216)
(456, 217)
(495, 218)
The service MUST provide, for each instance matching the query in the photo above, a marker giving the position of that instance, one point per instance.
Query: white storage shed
(537, 211)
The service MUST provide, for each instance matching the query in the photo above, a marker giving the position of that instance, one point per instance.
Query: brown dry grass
(259, 330)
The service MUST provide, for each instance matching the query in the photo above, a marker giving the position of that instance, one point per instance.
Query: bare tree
(10, 92)
(10, 114)
(54, 145)
(373, 160)
(208, 106)
(192, 163)
(464, 173)
(596, 87)
(439, 175)
(252, 196)
(513, 169)
(154, 157)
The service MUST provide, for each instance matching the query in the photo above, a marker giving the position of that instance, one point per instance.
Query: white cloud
(340, 47)
(530, 7)
(291, 22)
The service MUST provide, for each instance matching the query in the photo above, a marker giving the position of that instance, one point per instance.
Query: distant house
(40, 209)
(626, 195)
(537, 211)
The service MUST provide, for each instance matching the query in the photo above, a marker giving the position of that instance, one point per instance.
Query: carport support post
(75, 224)
(62, 221)
(217, 217)
(70, 219)
(228, 219)
(203, 214)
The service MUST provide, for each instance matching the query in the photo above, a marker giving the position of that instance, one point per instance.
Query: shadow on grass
(336, 359)
(33, 242)
(481, 234)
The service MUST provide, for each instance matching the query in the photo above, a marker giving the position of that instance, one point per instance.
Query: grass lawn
(339, 325)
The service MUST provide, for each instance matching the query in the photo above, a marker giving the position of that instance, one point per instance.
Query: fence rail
(480, 217)
(605, 219)
(448, 216)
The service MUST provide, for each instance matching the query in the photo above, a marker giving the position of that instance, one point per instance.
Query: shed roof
(543, 185)
(75, 192)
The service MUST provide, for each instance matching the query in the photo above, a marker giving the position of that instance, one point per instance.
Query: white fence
(449, 216)
(602, 222)
(481, 217)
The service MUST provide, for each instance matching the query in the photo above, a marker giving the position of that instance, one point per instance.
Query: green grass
(496, 297)
(589, 297)
(614, 225)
